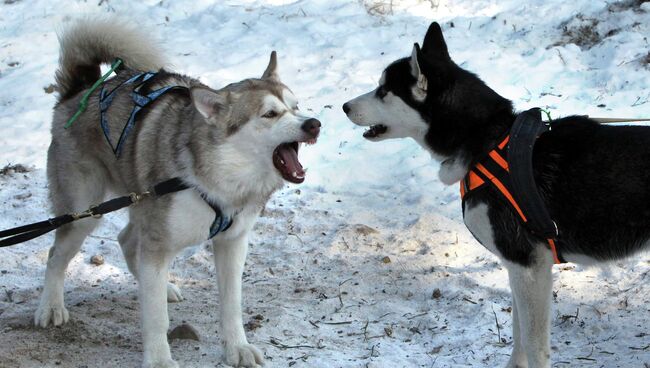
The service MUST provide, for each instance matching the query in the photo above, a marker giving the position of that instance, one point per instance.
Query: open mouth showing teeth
(375, 131)
(285, 159)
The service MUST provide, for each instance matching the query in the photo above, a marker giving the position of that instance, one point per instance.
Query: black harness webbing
(524, 132)
(508, 169)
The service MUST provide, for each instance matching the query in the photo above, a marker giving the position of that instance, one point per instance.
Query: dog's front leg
(229, 258)
(532, 291)
(152, 285)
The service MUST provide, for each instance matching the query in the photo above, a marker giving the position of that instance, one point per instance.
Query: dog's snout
(346, 108)
(311, 126)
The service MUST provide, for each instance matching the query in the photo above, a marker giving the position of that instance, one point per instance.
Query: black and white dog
(593, 179)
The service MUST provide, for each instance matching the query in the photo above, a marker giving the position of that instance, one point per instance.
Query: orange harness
(494, 169)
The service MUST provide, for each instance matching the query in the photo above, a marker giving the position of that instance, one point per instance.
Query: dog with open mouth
(232, 148)
(592, 179)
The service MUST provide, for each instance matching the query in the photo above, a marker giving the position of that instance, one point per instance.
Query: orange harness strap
(480, 175)
(556, 258)
(499, 185)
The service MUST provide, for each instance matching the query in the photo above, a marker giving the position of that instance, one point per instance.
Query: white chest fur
(477, 221)
(190, 218)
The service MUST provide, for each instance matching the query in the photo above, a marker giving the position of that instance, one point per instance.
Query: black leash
(27, 232)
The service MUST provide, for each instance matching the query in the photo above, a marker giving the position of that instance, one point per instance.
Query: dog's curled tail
(87, 43)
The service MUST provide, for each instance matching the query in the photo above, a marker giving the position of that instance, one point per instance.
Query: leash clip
(90, 212)
(135, 197)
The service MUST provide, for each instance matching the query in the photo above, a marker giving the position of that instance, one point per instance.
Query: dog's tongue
(285, 159)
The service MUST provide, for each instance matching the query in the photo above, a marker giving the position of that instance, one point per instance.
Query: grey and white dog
(234, 147)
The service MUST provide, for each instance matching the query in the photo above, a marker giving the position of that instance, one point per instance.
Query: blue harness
(140, 101)
(221, 222)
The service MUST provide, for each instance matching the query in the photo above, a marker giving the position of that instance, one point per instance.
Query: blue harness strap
(220, 223)
(140, 101)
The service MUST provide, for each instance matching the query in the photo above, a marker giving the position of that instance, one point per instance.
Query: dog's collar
(508, 168)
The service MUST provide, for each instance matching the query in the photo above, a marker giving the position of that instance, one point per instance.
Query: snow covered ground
(367, 264)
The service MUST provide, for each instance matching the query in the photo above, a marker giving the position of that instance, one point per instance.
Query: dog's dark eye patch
(399, 81)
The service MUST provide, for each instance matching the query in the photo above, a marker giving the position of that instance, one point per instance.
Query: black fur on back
(594, 179)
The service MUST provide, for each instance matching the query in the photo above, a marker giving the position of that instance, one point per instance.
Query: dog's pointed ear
(271, 71)
(415, 64)
(420, 88)
(434, 44)
(209, 103)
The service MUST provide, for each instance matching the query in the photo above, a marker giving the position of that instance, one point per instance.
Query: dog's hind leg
(532, 291)
(68, 240)
(72, 189)
(229, 258)
(128, 240)
(518, 358)
(153, 262)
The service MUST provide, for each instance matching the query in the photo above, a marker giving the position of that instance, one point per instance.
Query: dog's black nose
(346, 108)
(311, 126)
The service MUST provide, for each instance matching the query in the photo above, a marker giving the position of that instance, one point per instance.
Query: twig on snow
(588, 357)
(469, 300)
(299, 238)
(647, 347)
(496, 321)
(566, 317)
(337, 323)
(278, 344)
(417, 315)
(561, 57)
(340, 296)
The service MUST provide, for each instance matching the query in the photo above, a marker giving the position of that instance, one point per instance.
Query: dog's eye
(381, 92)
(296, 107)
(270, 114)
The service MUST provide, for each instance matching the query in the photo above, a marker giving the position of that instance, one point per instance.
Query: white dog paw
(166, 363)
(517, 363)
(48, 313)
(173, 293)
(510, 365)
(243, 355)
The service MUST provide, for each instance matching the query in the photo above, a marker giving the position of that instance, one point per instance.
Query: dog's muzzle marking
(509, 170)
